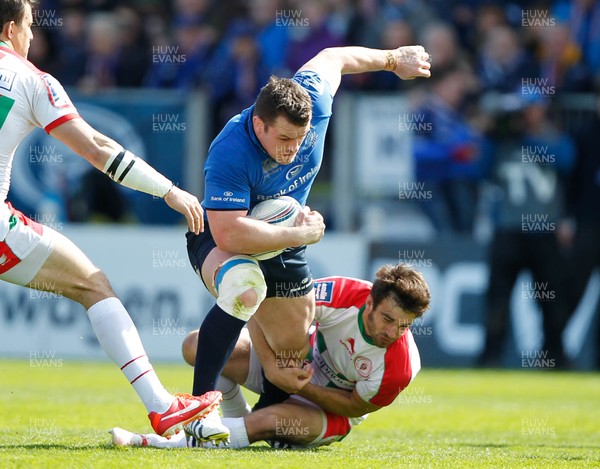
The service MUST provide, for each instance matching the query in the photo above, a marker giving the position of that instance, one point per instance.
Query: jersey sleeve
(51, 105)
(319, 91)
(401, 364)
(333, 294)
(227, 181)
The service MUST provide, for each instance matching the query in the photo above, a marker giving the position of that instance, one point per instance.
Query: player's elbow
(229, 229)
(332, 63)
(354, 413)
(329, 53)
(333, 56)
(225, 239)
(95, 155)
(91, 151)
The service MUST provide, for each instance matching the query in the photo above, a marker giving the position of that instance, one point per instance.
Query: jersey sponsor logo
(336, 379)
(7, 78)
(293, 186)
(270, 167)
(227, 198)
(348, 344)
(56, 93)
(306, 178)
(293, 172)
(363, 366)
(324, 291)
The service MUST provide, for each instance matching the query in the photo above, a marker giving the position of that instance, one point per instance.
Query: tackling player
(271, 149)
(38, 257)
(363, 356)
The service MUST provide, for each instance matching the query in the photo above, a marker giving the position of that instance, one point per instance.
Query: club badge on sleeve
(56, 93)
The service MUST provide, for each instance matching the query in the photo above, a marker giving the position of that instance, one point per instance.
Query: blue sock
(271, 395)
(216, 340)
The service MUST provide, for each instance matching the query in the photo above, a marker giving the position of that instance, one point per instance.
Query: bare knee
(84, 287)
(249, 298)
(189, 347)
(262, 424)
(89, 290)
(69, 272)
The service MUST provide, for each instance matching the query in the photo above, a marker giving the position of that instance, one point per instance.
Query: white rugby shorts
(25, 248)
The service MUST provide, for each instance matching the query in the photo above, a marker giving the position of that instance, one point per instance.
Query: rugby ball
(281, 211)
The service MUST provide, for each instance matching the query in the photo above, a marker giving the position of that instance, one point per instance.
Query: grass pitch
(57, 414)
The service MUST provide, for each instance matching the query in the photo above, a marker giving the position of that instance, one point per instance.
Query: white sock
(234, 403)
(121, 342)
(239, 435)
(176, 441)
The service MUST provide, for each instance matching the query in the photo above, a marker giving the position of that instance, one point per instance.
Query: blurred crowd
(230, 47)
(499, 141)
(497, 67)
(529, 52)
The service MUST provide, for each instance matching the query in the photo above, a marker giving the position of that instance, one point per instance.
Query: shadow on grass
(537, 445)
(110, 447)
(54, 446)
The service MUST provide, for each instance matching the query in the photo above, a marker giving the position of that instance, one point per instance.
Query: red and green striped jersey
(28, 98)
(345, 357)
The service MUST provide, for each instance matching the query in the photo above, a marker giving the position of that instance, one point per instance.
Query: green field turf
(57, 415)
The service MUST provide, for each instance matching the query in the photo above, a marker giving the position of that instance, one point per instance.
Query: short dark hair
(13, 10)
(404, 286)
(283, 97)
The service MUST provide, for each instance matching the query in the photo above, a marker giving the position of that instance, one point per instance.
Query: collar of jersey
(361, 327)
(251, 133)
(8, 50)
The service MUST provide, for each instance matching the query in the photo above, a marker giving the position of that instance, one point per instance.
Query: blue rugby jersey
(238, 171)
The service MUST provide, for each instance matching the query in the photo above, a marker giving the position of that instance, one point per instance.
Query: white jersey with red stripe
(345, 357)
(28, 98)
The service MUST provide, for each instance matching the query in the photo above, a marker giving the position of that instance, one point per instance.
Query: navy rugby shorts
(287, 275)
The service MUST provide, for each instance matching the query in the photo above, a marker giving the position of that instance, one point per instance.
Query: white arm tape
(130, 171)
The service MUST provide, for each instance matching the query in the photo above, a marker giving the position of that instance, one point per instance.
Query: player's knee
(241, 287)
(249, 298)
(89, 289)
(189, 347)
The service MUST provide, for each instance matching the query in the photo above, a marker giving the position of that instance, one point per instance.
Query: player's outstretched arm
(406, 62)
(338, 401)
(125, 168)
